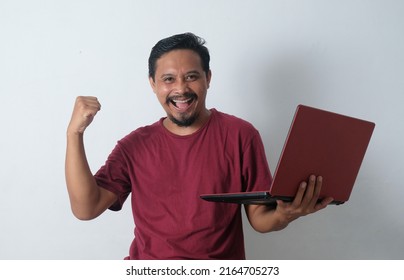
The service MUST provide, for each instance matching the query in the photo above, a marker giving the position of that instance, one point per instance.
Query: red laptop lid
(322, 143)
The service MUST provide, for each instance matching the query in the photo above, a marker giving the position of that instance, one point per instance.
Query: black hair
(188, 41)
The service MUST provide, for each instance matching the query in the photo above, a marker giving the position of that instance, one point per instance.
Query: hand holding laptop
(273, 217)
(306, 200)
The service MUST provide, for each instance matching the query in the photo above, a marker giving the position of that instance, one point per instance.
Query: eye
(191, 77)
(168, 79)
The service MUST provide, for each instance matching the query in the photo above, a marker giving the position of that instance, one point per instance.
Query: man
(167, 165)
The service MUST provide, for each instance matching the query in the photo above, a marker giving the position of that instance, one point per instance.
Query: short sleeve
(113, 176)
(255, 169)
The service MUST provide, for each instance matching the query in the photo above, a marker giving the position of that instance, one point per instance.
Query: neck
(187, 130)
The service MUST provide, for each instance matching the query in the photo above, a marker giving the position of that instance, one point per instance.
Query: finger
(308, 195)
(93, 102)
(319, 184)
(88, 101)
(88, 106)
(316, 192)
(281, 204)
(300, 194)
(323, 204)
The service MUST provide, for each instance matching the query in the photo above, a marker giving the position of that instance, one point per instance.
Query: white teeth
(182, 101)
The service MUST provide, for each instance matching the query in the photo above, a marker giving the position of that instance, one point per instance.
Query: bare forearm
(264, 219)
(83, 191)
(86, 198)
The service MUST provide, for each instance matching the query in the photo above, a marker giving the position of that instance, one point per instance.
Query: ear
(208, 77)
(152, 84)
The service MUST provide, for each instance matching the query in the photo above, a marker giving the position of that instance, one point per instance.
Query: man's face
(181, 86)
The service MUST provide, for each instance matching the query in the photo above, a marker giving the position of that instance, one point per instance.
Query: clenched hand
(85, 108)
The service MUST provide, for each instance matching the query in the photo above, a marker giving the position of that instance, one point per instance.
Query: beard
(184, 120)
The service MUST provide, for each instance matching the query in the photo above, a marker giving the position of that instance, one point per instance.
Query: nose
(181, 86)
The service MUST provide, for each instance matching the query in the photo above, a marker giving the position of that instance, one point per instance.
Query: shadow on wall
(282, 80)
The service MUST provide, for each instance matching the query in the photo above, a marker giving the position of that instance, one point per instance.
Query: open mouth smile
(182, 103)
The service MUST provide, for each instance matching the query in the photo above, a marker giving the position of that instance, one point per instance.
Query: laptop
(319, 142)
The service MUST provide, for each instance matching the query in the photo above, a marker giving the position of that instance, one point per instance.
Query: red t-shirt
(166, 173)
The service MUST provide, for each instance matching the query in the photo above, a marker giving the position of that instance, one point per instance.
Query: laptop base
(258, 198)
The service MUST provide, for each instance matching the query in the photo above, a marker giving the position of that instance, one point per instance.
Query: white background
(267, 57)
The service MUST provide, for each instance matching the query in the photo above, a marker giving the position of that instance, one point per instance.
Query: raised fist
(85, 108)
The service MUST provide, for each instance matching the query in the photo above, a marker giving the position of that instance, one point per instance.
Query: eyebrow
(193, 72)
(187, 73)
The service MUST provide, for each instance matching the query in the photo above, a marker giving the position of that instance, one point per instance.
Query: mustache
(186, 95)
